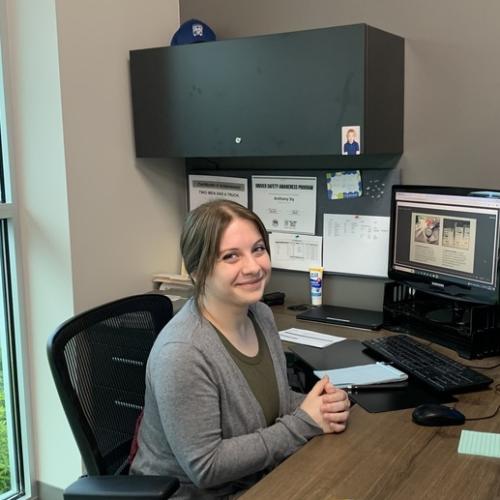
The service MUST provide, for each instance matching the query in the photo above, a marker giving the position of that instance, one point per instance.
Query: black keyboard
(434, 369)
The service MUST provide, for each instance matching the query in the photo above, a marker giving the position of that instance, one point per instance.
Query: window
(13, 464)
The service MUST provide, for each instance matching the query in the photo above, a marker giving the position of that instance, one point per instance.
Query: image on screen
(446, 239)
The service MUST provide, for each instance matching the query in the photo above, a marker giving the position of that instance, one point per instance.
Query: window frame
(21, 430)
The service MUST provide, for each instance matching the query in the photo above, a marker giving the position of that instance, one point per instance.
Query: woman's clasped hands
(328, 406)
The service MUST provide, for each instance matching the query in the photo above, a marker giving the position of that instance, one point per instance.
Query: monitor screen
(445, 241)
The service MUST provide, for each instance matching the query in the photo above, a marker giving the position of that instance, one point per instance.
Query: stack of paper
(377, 373)
(169, 281)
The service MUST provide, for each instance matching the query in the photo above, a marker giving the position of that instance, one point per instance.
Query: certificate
(203, 188)
(285, 204)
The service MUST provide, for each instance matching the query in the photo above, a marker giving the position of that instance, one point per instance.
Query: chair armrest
(122, 488)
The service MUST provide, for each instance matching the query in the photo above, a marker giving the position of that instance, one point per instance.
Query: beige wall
(452, 84)
(96, 223)
(125, 214)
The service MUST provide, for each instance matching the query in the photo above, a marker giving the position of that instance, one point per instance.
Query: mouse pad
(415, 394)
(351, 353)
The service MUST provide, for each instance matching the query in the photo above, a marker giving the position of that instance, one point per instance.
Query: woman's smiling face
(243, 266)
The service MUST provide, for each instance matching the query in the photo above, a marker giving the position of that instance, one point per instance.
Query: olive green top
(258, 372)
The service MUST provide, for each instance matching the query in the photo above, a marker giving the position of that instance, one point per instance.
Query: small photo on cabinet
(351, 140)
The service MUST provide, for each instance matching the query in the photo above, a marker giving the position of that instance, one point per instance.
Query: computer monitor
(445, 241)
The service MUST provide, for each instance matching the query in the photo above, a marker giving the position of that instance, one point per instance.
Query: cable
(484, 418)
(483, 367)
(497, 391)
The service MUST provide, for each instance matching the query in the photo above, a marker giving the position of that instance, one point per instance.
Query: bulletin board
(373, 205)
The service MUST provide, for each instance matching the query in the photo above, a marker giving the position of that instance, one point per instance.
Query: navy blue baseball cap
(193, 31)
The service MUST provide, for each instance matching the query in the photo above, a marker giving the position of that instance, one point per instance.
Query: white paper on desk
(376, 373)
(307, 337)
(297, 252)
(285, 204)
(203, 188)
(356, 244)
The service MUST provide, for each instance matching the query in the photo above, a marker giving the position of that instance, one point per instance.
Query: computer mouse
(437, 415)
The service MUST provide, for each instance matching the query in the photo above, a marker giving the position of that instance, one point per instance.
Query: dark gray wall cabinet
(279, 95)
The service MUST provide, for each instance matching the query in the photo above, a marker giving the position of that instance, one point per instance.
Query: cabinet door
(276, 95)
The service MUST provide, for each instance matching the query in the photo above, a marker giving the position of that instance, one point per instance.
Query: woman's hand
(335, 408)
(327, 406)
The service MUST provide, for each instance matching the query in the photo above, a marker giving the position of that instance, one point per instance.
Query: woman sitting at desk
(218, 410)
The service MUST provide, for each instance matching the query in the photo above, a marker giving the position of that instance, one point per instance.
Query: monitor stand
(473, 330)
(454, 314)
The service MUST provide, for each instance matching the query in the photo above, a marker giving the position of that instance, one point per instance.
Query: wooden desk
(387, 456)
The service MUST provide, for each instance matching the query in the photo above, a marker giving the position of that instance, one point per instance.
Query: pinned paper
(356, 244)
(344, 184)
(203, 188)
(298, 252)
(286, 204)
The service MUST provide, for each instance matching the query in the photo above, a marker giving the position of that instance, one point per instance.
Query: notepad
(486, 444)
(377, 373)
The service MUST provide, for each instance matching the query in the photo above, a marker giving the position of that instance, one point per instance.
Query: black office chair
(98, 360)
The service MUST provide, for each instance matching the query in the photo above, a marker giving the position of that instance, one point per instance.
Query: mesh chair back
(98, 360)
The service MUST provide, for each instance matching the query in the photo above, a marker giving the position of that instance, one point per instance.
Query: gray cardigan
(201, 420)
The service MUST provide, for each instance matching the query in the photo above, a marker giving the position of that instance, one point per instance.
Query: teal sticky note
(486, 444)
